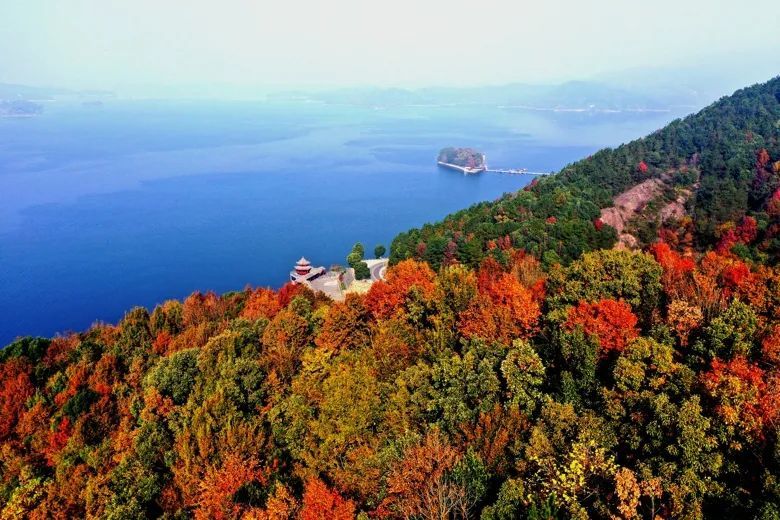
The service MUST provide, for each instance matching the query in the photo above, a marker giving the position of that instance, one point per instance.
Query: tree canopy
(511, 365)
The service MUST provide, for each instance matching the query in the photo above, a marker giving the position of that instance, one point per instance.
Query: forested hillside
(526, 370)
(728, 154)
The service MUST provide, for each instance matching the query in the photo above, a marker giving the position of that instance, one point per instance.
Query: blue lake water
(136, 202)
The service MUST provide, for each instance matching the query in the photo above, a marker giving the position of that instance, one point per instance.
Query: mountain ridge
(732, 131)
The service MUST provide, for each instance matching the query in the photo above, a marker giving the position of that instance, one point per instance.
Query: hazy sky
(283, 43)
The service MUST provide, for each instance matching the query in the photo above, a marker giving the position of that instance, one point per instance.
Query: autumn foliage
(15, 389)
(262, 303)
(386, 297)
(610, 321)
(220, 484)
(321, 502)
(743, 397)
(513, 364)
(504, 307)
(436, 395)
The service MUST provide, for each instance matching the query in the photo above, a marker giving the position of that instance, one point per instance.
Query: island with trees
(465, 160)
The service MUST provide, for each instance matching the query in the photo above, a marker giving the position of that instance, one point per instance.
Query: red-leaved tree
(610, 321)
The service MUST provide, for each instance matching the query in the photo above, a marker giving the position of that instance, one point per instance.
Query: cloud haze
(110, 44)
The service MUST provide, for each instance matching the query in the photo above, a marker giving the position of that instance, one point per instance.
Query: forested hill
(618, 384)
(727, 155)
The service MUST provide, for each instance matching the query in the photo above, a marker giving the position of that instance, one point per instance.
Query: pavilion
(303, 272)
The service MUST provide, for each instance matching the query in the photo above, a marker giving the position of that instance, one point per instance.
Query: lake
(135, 202)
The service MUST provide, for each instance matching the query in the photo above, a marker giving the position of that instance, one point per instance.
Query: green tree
(362, 272)
(355, 261)
(578, 356)
(609, 274)
(175, 375)
(523, 372)
(354, 258)
(732, 333)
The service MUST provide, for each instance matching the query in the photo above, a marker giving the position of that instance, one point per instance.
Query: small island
(465, 160)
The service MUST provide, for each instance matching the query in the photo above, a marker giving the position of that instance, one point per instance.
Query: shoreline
(462, 169)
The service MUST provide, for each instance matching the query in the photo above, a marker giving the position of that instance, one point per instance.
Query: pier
(509, 171)
(517, 171)
(484, 168)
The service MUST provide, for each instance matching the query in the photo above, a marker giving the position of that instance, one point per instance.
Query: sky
(122, 44)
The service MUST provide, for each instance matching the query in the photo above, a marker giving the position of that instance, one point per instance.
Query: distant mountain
(11, 91)
(14, 91)
(583, 95)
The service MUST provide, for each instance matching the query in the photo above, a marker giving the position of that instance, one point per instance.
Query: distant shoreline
(17, 116)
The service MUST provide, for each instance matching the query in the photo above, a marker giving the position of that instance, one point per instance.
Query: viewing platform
(336, 282)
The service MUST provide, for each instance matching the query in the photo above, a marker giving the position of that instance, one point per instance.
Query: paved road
(377, 270)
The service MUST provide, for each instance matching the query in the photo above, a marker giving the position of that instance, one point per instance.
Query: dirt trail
(676, 208)
(628, 204)
(633, 201)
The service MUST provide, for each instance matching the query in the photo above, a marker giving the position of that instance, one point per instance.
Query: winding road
(378, 270)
